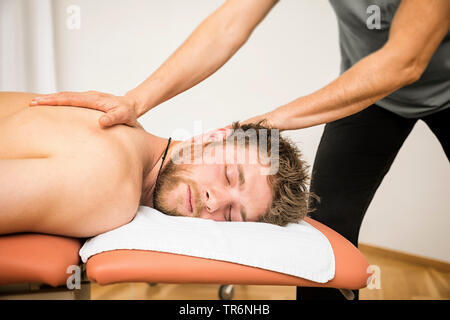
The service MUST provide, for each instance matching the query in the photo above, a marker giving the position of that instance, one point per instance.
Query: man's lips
(189, 199)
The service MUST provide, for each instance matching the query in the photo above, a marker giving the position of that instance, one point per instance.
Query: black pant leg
(439, 123)
(353, 156)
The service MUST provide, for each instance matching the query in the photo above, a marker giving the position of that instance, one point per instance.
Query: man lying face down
(249, 174)
(60, 173)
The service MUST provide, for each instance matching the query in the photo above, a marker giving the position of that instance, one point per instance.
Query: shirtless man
(60, 173)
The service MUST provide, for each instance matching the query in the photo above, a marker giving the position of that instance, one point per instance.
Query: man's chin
(163, 209)
(171, 212)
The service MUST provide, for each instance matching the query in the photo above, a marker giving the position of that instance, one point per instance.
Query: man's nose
(214, 199)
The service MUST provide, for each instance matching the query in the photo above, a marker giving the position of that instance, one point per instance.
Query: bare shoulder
(115, 159)
(119, 167)
(114, 193)
(100, 192)
(88, 182)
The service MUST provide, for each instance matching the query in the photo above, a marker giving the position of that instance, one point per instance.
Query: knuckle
(100, 105)
(96, 100)
(126, 115)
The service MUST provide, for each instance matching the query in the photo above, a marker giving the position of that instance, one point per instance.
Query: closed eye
(226, 175)
(229, 183)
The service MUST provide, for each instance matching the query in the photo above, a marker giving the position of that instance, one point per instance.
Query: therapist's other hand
(264, 119)
(118, 109)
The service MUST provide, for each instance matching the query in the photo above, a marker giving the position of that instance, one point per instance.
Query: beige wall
(292, 53)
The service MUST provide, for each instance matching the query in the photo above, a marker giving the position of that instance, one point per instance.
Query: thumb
(106, 121)
(112, 117)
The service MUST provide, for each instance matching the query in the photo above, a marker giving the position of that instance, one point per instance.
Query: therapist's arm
(210, 45)
(416, 31)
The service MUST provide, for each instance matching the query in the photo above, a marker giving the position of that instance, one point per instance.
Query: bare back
(60, 173)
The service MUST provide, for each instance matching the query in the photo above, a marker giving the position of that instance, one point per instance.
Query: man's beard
(170, 177)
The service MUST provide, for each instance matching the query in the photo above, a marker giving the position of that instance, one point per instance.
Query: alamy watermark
(74, 280)
(374, 19)
(73, 20)
(374, 281)
(224, 146)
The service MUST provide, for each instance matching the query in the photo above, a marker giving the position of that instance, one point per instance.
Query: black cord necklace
(163, 158)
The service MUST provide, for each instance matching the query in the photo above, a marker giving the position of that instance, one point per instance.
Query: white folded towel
(298, 249)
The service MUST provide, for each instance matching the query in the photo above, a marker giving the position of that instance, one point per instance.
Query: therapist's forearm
(211, 44)
(368, 81)
(415, 33)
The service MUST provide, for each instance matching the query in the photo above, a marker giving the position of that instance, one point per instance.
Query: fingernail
(33, 103)
(104, 121)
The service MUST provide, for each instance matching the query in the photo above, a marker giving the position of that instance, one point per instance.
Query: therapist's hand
(266, 119)
(118, 109)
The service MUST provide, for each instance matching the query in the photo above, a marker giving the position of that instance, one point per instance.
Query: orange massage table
(35, 266)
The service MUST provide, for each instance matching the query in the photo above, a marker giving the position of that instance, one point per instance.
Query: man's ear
(212, 136)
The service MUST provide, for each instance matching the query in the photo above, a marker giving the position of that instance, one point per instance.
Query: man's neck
(154, 148)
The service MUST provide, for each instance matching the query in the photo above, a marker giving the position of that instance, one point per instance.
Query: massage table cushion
(39, 258)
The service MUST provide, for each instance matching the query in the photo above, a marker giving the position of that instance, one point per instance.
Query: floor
(399, 280)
